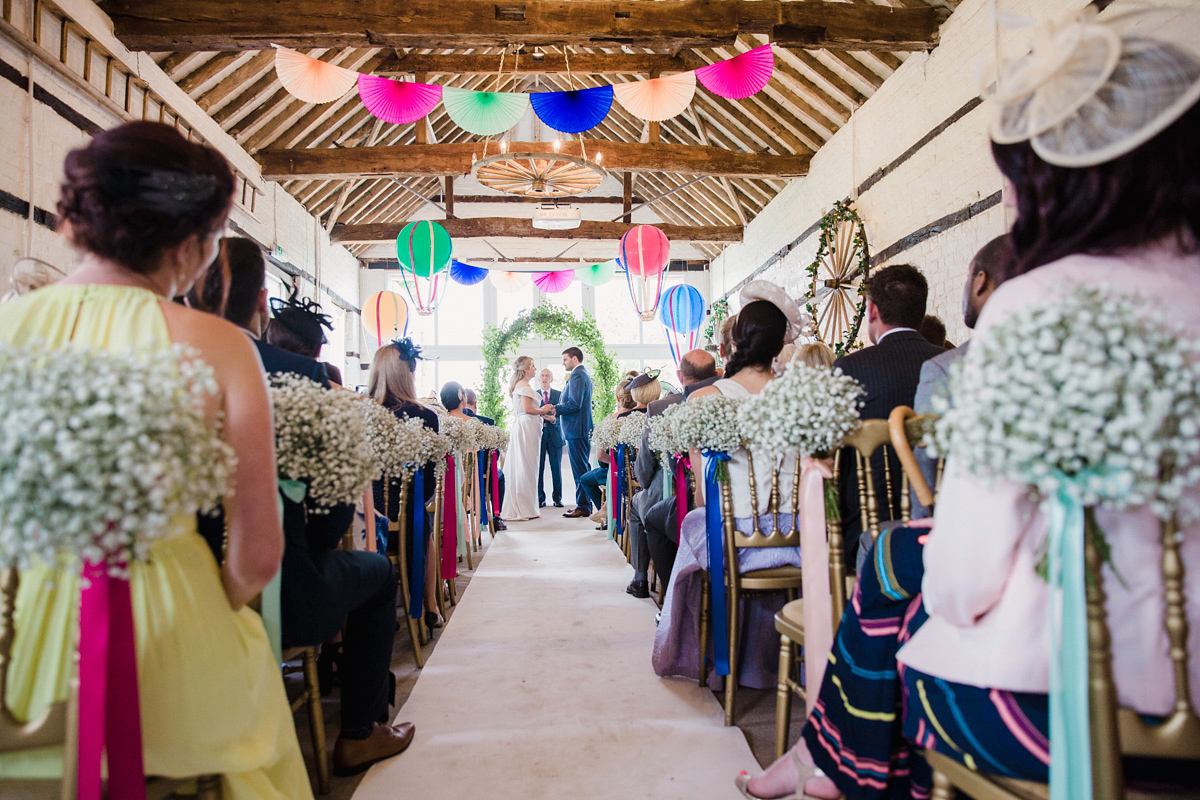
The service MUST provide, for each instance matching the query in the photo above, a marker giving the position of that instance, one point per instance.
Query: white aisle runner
(541, 687)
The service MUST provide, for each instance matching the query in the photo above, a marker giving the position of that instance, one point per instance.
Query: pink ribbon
(814, 567)
(682, 464)
(110, 722)
(449, 523)
(495, 483)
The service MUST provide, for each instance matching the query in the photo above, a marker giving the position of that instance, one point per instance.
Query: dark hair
(335, 374)
(247, 277)
(452, 395)
(139, 189)
(287, 337)
(757, 337)
(469, 397)
(575, 353)
(900, 292)
(934, 330)
(209, 292)
(689, 369)
(1149, 193)
(993, 259)
(296, 326)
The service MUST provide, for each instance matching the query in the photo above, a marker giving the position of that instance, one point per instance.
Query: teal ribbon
(714, 533)
(293, 490)
(272, 605)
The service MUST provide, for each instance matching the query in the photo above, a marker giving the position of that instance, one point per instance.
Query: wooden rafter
(478, 227)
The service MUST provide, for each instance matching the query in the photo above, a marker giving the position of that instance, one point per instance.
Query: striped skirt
(870, 708)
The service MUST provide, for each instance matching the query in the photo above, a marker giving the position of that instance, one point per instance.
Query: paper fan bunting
(575, 111)
(508, 281)
(310, 79)
(467, 274)
(554, 282)
(741, 76)
(658, 98)
(484, 113)
(397, 102)
(597, 274)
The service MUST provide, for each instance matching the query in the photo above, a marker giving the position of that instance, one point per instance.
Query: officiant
(552, 444)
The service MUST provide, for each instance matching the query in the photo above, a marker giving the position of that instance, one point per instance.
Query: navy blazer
(552, 432)
(575, 407)
(276, 359)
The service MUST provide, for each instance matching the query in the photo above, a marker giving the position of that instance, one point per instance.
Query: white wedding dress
(521, 463)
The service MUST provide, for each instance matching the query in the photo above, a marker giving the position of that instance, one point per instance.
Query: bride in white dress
(524, 447)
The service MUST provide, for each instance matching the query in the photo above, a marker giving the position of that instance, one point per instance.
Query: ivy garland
(843, 212)
(718, 313)
(555, 323)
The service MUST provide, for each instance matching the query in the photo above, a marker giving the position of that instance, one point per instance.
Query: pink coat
(988, 610)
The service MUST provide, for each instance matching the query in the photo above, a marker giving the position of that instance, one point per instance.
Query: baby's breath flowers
(630, 433)
(606, 433)
(100, 451)
(709, 423)
(393, 443)
(432, 447)
(493, 437)
(321, 441)
(1088, 392)
(661, 435)
(808, 410)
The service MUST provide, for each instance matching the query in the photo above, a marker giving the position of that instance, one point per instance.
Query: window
(460, 317)
(618, 321)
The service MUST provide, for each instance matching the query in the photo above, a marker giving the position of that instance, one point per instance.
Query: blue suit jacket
(276, 359)
(575, 406)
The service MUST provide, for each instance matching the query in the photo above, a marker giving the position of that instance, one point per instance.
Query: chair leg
(208, 787)
(731, 679)
(705, 623)
(316, 719)
(943, 789)
(783, 696)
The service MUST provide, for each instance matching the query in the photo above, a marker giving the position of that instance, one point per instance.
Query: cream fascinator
(1089, 90)
(799, 322)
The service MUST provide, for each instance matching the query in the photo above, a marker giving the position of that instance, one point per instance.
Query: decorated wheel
(538, 174)
(838, 275)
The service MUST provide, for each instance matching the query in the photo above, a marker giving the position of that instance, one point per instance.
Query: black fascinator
(302, 317)
(409, 350)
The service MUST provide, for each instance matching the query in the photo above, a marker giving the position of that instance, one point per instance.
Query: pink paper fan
(740, 76)
(658, 98)
(554, 282)
(310, 79)
(398, 102)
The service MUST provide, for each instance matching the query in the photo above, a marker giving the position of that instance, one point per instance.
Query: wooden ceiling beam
(480, 227)
(455, 159)
(156, 25)
(246, 72)
(487, 64)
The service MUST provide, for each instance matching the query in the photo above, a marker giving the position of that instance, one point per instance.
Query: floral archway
(555, 323)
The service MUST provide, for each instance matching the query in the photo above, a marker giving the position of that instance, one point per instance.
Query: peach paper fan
(658, 98)
(310, 79)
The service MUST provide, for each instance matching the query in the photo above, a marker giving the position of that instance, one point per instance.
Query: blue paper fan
(467, 274)
(575, 111)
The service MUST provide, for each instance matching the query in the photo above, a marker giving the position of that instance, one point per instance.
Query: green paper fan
(596, 274)
(484, 113)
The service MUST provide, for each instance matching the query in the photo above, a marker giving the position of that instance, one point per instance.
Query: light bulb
(557, 144)
(504, 145)
(599, 157)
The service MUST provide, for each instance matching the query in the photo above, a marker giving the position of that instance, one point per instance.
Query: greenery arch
(550, 322)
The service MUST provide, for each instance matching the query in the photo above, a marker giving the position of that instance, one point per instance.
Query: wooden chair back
(398, 532)
(909, 431)
(874, 435)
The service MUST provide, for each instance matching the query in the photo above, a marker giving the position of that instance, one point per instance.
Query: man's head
(546, 377)
(470, 399)
(896, 297)
(247, 303)
(572, 358)
(987, 272)
(934, 330)
(696, 366)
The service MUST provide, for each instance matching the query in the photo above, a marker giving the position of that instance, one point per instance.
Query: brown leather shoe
(576, 512)
(352, 756)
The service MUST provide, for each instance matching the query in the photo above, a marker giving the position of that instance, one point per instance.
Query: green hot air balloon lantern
(424, 251)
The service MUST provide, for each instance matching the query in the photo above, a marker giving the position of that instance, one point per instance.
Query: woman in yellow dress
(146, 208)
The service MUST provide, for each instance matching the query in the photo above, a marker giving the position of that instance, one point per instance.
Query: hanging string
(500, 72)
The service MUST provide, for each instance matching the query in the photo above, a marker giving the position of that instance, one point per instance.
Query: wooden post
(422, 125)
(449, 198)
(627, 200)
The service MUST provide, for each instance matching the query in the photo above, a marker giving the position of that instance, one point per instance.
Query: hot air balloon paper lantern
(554, 282)
(741, 76)
(398, 102)
(385, 317)
(423, 249)
(681, 312)
(311, 79)
(644, 253)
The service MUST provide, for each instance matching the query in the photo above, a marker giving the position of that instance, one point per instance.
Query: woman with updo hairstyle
(767, 320)
(145, 208)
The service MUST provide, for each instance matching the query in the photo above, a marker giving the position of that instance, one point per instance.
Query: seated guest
(471, 409)
(815, 354)
(644, 389)
(889, 371)
(985, 274)
(211, 697)
(452, 397)
(967, 610)
(391, 385)
(768, 320)
(590, 482)
(652, 514)
(325, 591)
(296, 326)
(933, 330)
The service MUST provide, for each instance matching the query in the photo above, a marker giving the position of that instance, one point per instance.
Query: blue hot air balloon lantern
(681, 312)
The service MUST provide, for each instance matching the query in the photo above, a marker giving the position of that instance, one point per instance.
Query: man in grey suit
(985, 274)
(650, 520)
(552, 445)
(890, 371)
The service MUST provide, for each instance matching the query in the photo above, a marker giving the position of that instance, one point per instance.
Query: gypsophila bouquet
(606, 433)
(462, 435)
(661, 435)
(809, 410)
(432, 446)
(493, 437)
(1089, 393)
(709, 423)
(392, 442)
(630, 433)
(99, 451)
(321, 441)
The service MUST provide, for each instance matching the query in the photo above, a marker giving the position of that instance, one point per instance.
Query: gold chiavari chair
(463, 463)
(58, 726)
(398, 532)
(737, 583)
(489, 511)
(908, 430)
(1115, 731)
(311, 695)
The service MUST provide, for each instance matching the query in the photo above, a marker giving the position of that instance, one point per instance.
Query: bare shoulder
(218, 340)
(707, 391)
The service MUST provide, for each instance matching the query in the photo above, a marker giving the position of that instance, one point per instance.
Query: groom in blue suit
(575, 410)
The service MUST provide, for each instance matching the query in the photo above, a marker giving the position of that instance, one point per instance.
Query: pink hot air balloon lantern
(554, 282)
(645, 252)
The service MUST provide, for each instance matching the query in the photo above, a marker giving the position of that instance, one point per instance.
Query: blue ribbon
(618, 506)
(481, 459)
(715, 534)
(416, 573)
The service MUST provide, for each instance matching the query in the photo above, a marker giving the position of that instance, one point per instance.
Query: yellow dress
(212, 699)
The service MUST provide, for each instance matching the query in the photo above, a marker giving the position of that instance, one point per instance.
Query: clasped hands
(548, 412)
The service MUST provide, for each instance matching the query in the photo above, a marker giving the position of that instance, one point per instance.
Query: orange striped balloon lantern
(385, 317)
